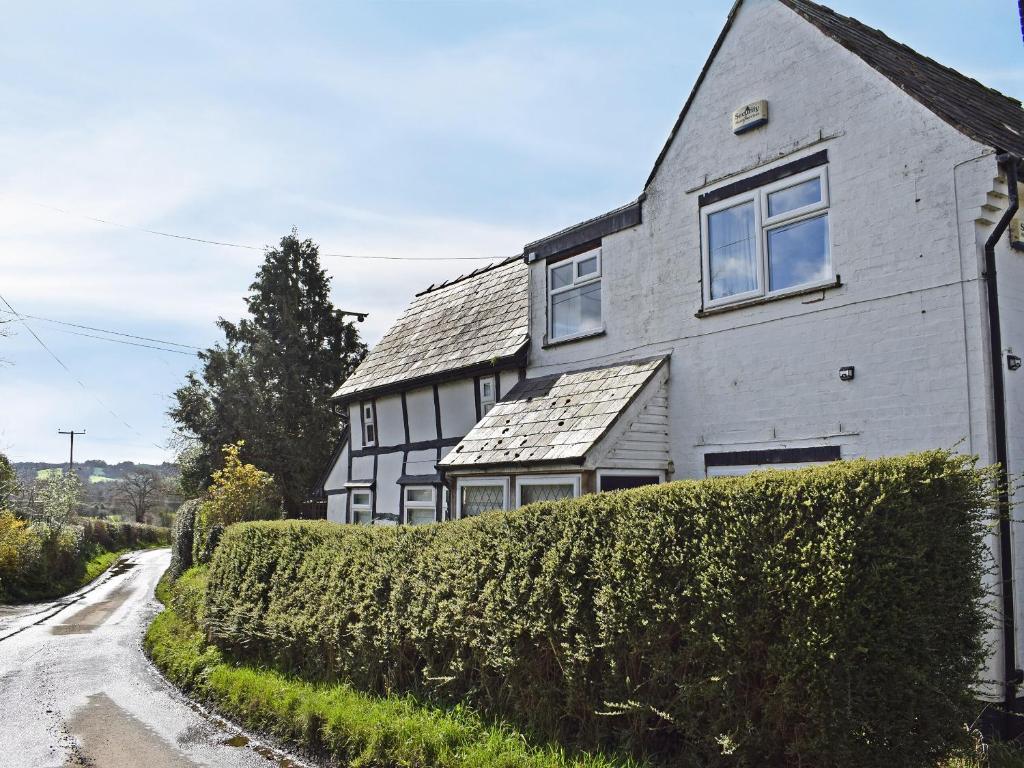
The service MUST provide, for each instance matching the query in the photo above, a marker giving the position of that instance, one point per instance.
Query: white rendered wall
(908, 315)
(458, 407)
(422, 422)
(390, 427)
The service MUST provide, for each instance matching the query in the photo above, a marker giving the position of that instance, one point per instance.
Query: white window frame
(357, 508)
(763, 224)
(487, 403)
(573, 480)
(464, 482)
(368, 422)
(659, 473)
(420, 505)
(577, 282)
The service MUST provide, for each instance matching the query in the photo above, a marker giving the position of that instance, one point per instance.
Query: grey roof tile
(552, 418)
(478, 319)
(984, 114)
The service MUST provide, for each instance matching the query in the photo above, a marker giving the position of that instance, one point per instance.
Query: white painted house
(810, 273)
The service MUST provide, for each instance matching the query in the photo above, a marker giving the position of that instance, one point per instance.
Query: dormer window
(369, 427)
(488, 394)
(574, 296)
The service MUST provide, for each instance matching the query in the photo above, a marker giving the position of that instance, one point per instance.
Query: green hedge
(182, 535)
(39, 562)
(829, 617)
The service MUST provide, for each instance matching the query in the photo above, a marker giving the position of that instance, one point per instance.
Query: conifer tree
(269, 383)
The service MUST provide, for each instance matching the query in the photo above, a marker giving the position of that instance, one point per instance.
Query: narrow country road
(77, 690)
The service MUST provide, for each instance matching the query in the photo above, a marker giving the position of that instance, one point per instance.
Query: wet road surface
(76, 689)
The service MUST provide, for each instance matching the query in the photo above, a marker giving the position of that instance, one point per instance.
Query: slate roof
(557, 418)
(983, 114)
(481, 319)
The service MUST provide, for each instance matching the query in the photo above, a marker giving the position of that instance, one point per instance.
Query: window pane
(586, 267)
(529, 493)
(561, 276)
(619, 482)
(798, 254)
(360, 498)
(732, 251)
(486, 389)
(576, 310)
(370, 437)
(364, 518)
(481, 498)
(420, 494)
(797, 196)
(421, 516)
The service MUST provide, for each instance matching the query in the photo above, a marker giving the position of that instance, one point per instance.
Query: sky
(421, 129)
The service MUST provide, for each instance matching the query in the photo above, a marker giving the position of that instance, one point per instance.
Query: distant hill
(93, 470)
(100, 480)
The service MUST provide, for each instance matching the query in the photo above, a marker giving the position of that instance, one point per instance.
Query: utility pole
(71, 459)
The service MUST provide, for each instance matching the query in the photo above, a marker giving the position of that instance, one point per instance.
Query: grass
(97, 564)
(998, 756)
(336, 721)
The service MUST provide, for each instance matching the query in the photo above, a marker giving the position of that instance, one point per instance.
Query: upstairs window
(369, 428)
(488, 394)
(574, 296)
(768, 241)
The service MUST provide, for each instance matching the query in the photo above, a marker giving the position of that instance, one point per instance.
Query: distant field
(96, 477)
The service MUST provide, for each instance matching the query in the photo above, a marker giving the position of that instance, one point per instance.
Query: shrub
(182, 536)
(239, 492)
(44, 560)
(828, 616)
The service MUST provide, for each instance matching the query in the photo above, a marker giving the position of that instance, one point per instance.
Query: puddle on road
(86, 620)
(110, 737)
(120, 567)
(241, 740)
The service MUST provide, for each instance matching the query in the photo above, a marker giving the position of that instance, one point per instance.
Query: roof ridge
(794, 4)
(583, 223)
(486, 268)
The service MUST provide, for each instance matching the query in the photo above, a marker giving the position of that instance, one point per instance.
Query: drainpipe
(1012, 675)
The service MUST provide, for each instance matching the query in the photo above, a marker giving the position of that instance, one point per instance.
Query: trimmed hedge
(335, 722)
(829, 617)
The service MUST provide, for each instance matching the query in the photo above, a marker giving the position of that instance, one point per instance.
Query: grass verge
(335, 721)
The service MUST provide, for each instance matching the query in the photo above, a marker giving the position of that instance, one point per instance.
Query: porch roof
(553, 419)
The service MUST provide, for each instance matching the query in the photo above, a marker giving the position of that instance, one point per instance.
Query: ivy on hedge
(829, 616)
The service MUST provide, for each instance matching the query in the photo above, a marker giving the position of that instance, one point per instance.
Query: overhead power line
(70, 373)
(248, 247)
(107, 330)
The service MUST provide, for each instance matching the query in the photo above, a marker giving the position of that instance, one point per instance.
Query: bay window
(767, 241)
(546, 488)
(477, 495)
(574, 296)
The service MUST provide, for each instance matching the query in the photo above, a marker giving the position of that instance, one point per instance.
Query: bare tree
(140, 492)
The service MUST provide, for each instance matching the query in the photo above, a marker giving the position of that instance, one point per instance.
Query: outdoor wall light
(1013, 362)
(846, 373)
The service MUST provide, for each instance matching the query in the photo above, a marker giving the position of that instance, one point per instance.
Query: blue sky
(423, 129)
